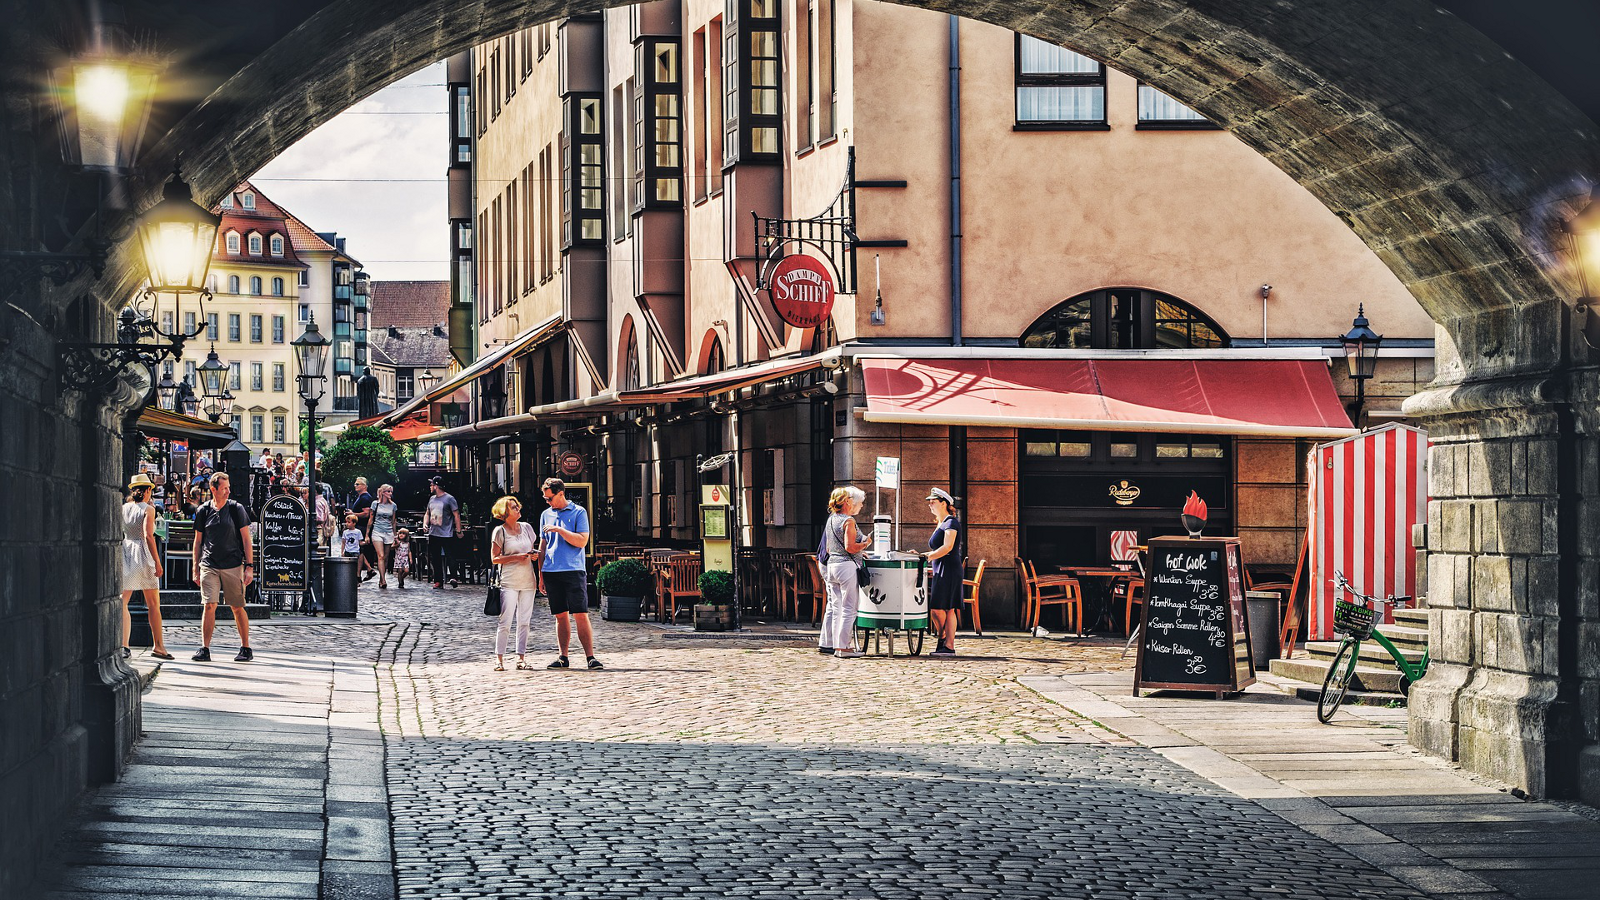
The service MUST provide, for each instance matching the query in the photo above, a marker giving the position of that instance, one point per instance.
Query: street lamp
(1583, 239)
(167, 391)
(213, 373)
(176, 238)
(311, 356)
(427, 379)
(1361, 356)
(184, 401)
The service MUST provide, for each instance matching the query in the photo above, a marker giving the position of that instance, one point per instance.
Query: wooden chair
(655, 561)
(681, 581)
(969, 596)
(1056, 590)
(1132, 596)
(810, 587)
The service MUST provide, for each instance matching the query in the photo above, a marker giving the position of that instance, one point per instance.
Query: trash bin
(319, 554)
(339, 586)
(1264, 625)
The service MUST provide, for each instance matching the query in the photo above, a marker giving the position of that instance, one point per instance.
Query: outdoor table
(1105, 579)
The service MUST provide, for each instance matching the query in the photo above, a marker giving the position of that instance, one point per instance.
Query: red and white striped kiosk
(1366, 493)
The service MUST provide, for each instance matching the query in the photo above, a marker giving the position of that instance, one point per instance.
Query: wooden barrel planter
(710, 617)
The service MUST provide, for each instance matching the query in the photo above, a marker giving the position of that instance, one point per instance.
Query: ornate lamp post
(311, 359)
(1361, 356)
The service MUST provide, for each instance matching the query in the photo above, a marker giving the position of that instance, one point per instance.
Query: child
(352, 540)
(402, 555)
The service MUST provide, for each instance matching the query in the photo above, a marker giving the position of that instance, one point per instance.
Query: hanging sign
(570, 464)
(285, 545)
(888, 472)
(802, 291)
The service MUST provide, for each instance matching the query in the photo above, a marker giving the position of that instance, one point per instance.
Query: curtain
(1155, 106)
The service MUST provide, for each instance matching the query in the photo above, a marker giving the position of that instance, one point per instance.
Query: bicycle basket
(1352, 619)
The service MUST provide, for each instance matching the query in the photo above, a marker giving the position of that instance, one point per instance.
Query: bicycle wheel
(1337, 681)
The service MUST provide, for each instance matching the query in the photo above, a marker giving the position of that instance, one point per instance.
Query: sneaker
(560, 663)
(202, 655)
(369, 576)
(438, 585)
(126, 653)
(245, 655)
(595, 663)
(847, 654)
(942, 650)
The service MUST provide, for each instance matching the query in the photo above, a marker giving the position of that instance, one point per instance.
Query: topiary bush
(623, 578)
(716, 588)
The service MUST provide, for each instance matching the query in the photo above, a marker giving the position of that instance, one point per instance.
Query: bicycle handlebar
(1343, 584)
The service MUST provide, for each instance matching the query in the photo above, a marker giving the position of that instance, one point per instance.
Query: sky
(376, 175)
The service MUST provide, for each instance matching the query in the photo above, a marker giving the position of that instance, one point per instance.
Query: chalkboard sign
(1194, 634)
(284, 556)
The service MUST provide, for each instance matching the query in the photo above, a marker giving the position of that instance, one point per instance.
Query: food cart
(895, 599)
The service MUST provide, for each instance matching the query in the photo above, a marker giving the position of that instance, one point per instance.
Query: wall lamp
(1583, 244)
(1361, 356)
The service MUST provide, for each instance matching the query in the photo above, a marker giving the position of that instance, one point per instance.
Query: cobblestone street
(693, 765)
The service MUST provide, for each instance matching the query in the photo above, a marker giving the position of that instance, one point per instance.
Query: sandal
(500, 667)
(161, 654)
(522, 665)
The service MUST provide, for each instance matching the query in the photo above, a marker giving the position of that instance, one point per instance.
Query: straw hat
(141, 480)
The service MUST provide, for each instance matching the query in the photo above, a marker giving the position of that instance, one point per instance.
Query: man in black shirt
(224, 563)
(361, 505)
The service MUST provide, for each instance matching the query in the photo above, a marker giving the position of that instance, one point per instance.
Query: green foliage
(716, 588)
(307, 429)
(623, 578)
(364, 451)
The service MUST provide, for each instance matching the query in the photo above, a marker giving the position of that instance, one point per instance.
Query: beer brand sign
(802, 291)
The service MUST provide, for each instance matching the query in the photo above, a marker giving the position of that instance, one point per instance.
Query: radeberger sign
(802, 291)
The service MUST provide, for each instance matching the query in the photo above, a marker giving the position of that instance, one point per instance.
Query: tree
(363, 451)
(320, 442)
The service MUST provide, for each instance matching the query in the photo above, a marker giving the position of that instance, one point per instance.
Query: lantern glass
(227, 399)
(1361, 347)
(1584, 229)
(104, 104)
(177, 238)
(212, 372)
(167, 391)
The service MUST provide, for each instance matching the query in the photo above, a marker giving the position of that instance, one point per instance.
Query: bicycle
(1355, 621)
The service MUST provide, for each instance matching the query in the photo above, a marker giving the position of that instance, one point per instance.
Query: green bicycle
(1355, 621)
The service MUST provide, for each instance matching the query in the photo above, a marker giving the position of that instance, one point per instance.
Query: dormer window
(255, 245)
(227, 201)
(277, 245)
(248, 199)
(233, 242)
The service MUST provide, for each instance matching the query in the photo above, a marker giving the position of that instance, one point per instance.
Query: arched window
(248, 199)
(632, 378)
(277, 287)
(233, 284)
(1124, 319)
(716, 361)
(277, 245)
(233, 242)
(255, 285)
(255, 244)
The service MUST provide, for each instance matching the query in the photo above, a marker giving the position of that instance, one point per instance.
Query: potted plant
(623, 585)
(714, 612)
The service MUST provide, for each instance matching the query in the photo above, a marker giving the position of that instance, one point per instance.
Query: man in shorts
(224, 560)
(563, 573)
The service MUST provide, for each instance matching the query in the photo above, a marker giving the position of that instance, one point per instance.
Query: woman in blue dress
(947, 571)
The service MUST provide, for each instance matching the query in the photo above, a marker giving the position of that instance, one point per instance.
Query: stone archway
(1450, 159)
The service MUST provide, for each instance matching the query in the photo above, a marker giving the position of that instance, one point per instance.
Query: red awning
(1279, 397)
(413, 428)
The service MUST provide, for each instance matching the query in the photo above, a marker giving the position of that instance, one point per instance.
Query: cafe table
(1106, 579)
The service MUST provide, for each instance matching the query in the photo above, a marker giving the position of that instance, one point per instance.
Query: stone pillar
(1512, 486)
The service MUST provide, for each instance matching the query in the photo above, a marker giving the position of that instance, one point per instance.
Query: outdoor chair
(1055, 590)
(969, 596)
(1132, 596)
(810, 587)
(680, 582)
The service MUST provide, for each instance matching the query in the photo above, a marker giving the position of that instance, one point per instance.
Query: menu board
(284, 555)
(1194, 634)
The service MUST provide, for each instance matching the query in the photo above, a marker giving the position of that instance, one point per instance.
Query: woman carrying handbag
(513, 548)
(844, 572)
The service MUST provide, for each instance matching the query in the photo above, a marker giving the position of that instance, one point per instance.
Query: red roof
(266, 219)
(409, 304)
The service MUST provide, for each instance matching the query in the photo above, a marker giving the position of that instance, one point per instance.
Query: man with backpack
(224, 565)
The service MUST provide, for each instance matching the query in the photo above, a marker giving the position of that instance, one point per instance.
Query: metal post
(311, 506)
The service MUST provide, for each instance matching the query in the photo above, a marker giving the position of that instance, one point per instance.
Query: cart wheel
(914, 641)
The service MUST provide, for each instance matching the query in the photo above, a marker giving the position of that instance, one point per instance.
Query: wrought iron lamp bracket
(23, 267)
(93, 368)
(832, 233)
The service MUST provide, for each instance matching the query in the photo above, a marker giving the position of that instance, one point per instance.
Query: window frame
(1200, 124)
(255, 328)
(649, 91)
(230, 241)
(275, 245)
(1144, 318)
(235, 328)
(740, 121)
(575, 210)
(1022, 80)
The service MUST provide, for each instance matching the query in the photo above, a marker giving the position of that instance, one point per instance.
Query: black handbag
(491, 603)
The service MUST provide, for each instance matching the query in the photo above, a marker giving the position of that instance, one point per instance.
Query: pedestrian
(350, 538)
(141, 563)
(191, 504)
(265, 460)
(321, 513)
(563, 572)
(443, 523)
(361, 504)
(402, 555)
(844, 544)
(947, 571)
(224, 565)
(514, 547)
(202, 476)
(380, 530)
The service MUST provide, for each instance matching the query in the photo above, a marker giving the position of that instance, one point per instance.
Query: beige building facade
(983, 202)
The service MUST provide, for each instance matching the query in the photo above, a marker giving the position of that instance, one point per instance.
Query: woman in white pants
(844, 543)
(514, 547)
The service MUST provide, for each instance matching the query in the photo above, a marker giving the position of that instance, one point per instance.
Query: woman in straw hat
(141, 562)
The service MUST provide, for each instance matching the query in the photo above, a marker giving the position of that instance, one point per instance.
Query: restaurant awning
(724, 381)
(484, 364)
(175, 426)
(1277, 397)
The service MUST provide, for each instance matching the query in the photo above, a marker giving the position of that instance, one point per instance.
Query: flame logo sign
(1194, 506)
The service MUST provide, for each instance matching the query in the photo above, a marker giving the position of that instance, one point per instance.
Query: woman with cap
(944, 582)
(141, 563)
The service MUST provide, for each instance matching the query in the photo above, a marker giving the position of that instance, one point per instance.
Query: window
(277, 287)
(255, 244)
(1157, 110)
(211, 282)
(620, 159)
(211, 327)
(255, 376)
(658, 120)
(827, 51)
(494, 82)
(583, 208)
(305, 313)
(498, 290)
(1057, 88)
(279, 431)
(255, 328)
(404, 384)
(256, 428)
(233, 327)
(235, 379)
(227, 201)
(511, 67)
(189, 324)
(277, 245)
(525, 50)
(530, 228)
(233, 242)
(544, 39)
(233, 284)
(752, 69)
(305, 278)
(188, 373)
(805, 103)
(237, 423)
(277, 329)
(1124, 319)
(713, 103)
(479, 94)
(701, 184)
(547, 214)
(513, 257)
(166, 322)
(248, 199)
(255, 285)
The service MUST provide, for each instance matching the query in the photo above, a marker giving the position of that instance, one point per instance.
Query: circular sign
(802, 291)
(570, 464)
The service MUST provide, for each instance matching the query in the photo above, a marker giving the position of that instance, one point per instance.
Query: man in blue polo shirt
(563, 574)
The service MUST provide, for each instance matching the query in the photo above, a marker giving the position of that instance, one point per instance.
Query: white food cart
(896, 599)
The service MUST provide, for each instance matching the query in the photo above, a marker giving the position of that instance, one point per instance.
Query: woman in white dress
(141, 562)
(514, 547)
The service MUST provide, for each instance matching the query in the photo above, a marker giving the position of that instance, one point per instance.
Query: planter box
(713, 618)
(620, 609)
